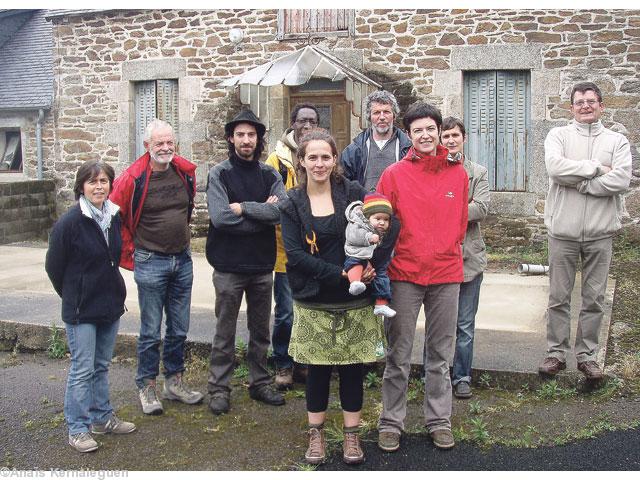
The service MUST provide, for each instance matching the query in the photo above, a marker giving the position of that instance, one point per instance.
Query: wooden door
(333, 107)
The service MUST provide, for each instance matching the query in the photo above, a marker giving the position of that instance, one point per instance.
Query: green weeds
(57, 345)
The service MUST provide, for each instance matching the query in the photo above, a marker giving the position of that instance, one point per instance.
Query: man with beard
(155, 195)
(242, 194)
(304, 118)
(377, 147)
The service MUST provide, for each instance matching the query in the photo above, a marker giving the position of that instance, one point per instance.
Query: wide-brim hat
(245, 116)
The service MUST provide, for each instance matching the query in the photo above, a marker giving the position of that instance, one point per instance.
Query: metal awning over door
(298, 68)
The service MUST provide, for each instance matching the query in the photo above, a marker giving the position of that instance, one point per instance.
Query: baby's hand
(375, 238)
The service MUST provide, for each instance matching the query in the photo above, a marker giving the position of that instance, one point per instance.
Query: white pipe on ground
(529, 269)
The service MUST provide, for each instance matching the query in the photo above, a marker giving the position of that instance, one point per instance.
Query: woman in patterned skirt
(330, 327)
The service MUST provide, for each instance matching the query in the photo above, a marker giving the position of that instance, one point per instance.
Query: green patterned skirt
(334, 336)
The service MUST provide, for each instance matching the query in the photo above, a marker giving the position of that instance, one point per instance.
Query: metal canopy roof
(298, 68)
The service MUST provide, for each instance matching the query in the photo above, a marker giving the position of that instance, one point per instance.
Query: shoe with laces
(83, 442)
(284, 378)
(352, 453)
(356, 288)
(462, 390)
(266, 394)
(316, 453)
(551, 366)
(151, 405)
(591, 370)
(384, 310)
(389, 441)
(114, 425)
(175, 389)
(443, 438)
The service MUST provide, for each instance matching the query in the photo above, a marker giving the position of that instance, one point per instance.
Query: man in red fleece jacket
(428, 191)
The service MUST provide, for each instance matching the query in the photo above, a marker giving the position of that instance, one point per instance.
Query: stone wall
(28, 210)
(419, 54)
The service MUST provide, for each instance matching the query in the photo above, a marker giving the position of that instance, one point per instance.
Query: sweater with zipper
(83, 268)
(429, 195)
(584, 203)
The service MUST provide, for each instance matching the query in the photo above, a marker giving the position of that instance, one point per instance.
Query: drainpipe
(39, 141)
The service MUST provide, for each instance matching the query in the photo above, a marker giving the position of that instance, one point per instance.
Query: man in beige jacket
(589, 169)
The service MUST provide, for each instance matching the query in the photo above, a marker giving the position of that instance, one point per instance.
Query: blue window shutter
(480, 120)
(145, 104)
(512, 126)
(167, 102)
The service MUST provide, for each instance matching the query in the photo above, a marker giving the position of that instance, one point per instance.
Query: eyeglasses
(581, 103)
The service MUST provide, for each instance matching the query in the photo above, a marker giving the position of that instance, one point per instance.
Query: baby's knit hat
(376, 203)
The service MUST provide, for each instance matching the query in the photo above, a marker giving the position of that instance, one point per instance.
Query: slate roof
(26, 66)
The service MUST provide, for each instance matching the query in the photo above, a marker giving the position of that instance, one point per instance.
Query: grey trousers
(229, 288)
(595, 258)
(441, 310)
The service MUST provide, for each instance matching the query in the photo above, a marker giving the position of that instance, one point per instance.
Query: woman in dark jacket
(82, 264)
(330, 326)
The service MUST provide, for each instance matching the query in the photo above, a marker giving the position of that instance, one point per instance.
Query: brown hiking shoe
(443, 438)
(352, 453)
(389, 441)
(551, 366)
(316, 453)
(284, 378)
(591, 370)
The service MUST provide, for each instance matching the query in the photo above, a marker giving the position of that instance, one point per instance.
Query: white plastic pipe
(529, 269)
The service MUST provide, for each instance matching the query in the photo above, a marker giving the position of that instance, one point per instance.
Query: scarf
(101, 217)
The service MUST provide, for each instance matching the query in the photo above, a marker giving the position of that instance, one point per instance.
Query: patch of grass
(460, 434)
(371, 380)
(335, 405)
(416, 389)
(475, 408)
(57, 345)
(241, 372)
(333, 434)
(305, 467)
(479, 431)
(552, 391)
(241, 350)
(485, 380)
(56, 420)
(29, 424)
(535, 254)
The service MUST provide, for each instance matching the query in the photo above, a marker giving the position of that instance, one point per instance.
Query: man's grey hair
(384, 97)
(154, 125)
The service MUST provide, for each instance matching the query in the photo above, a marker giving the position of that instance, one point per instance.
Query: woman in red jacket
(428, 192)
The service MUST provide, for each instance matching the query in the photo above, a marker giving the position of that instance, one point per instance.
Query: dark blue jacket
(84, 270)
(354, 158)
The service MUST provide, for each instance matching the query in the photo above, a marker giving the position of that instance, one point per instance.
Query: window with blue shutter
(497, 107)
(155, 99)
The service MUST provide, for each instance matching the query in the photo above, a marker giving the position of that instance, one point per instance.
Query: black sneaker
(462, 390)
(266, 394)
(219, 403)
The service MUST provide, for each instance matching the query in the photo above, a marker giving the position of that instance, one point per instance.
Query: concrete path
(510, 326)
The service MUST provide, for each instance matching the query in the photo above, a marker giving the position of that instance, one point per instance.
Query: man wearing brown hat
(242, 196)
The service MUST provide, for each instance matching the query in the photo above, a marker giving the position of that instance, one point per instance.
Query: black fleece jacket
(84, 269)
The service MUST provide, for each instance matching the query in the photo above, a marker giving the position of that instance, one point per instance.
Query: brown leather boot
(352, 451)
(316, 453)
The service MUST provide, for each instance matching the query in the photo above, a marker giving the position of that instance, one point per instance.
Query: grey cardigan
(474, 252)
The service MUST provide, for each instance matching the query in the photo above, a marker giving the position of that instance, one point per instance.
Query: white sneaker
(384, 310)
(113, 425)
(83, 442)
(356, 288)
(174, 389)
(149, 400)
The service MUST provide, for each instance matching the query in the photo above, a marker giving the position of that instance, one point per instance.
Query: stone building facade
(100, 57)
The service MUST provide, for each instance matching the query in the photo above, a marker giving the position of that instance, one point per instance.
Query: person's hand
(236, 208)
(375, 238)
(604, 169)
(272, 199)
(368, 274)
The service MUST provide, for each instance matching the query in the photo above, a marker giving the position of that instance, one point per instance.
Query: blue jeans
(467, 309)
(381, 285)
(86, 399)
(283, 313)
(164, 284)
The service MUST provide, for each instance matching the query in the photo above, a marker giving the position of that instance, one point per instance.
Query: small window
(497, 118)
(303, 23)
(10, 151)
(155, 99)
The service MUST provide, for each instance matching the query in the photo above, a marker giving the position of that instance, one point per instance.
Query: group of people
(359, 242)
